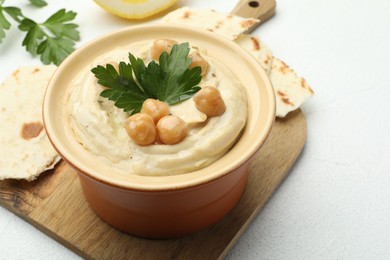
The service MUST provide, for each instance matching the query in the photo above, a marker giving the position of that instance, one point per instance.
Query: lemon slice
(135, 9)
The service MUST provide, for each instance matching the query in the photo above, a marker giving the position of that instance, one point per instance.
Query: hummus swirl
(98, 125)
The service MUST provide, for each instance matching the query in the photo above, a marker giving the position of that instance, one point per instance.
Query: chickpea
(171, 129)
(161, 45)
(141, 129)
(197, 60)
(155, 108)
(209, 101)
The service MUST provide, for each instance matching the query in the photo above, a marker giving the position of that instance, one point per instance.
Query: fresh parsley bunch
(53, 40)
(170, 80)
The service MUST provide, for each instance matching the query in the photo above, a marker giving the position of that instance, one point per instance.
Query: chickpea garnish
(141, 129)
(161, 45)
(209, 101)
(171, 129)
(197, 60)
(155, 108)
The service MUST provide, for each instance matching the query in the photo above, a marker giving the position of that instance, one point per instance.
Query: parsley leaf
(57, 45)
(14, 12)
(59, 26)
(4, 24)
(55, 50)
(38, 3)
(126, 93)
(53, 40)
(170, 80)
(33, 37)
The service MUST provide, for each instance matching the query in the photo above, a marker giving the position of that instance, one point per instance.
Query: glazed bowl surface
(163, 206)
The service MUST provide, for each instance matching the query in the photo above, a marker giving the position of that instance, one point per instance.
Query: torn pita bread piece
(290, 89)
(25, 151)
(257, 48)
(228, 25)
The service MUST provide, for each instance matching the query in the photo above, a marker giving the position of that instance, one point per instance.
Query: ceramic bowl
(167, 206)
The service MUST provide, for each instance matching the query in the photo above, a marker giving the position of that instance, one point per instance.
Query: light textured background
(335, 204)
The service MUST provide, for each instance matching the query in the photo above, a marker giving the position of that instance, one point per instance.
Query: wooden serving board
(54, 204)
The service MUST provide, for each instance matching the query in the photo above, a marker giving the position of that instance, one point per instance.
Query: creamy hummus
(98, 125)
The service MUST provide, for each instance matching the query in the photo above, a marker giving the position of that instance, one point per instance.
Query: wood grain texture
(54, 203)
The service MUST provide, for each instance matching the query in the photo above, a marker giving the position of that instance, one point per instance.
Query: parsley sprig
(170, 80)
(53, 40)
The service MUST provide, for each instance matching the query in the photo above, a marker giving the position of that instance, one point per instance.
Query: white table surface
(335, 203)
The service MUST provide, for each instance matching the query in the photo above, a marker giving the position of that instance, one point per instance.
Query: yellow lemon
(135, 9)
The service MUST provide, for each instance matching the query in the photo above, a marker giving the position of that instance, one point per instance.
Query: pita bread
(25, 150)
(290, 89)
(227, 25)
(258, 50)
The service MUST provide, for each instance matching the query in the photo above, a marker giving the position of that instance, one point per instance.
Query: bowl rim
(170, 182)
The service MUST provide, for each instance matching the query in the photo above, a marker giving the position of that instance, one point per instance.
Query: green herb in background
(53, 40)
(39, 3)
(170, 81)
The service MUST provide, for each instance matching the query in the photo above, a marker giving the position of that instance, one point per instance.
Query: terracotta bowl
(168, 206)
